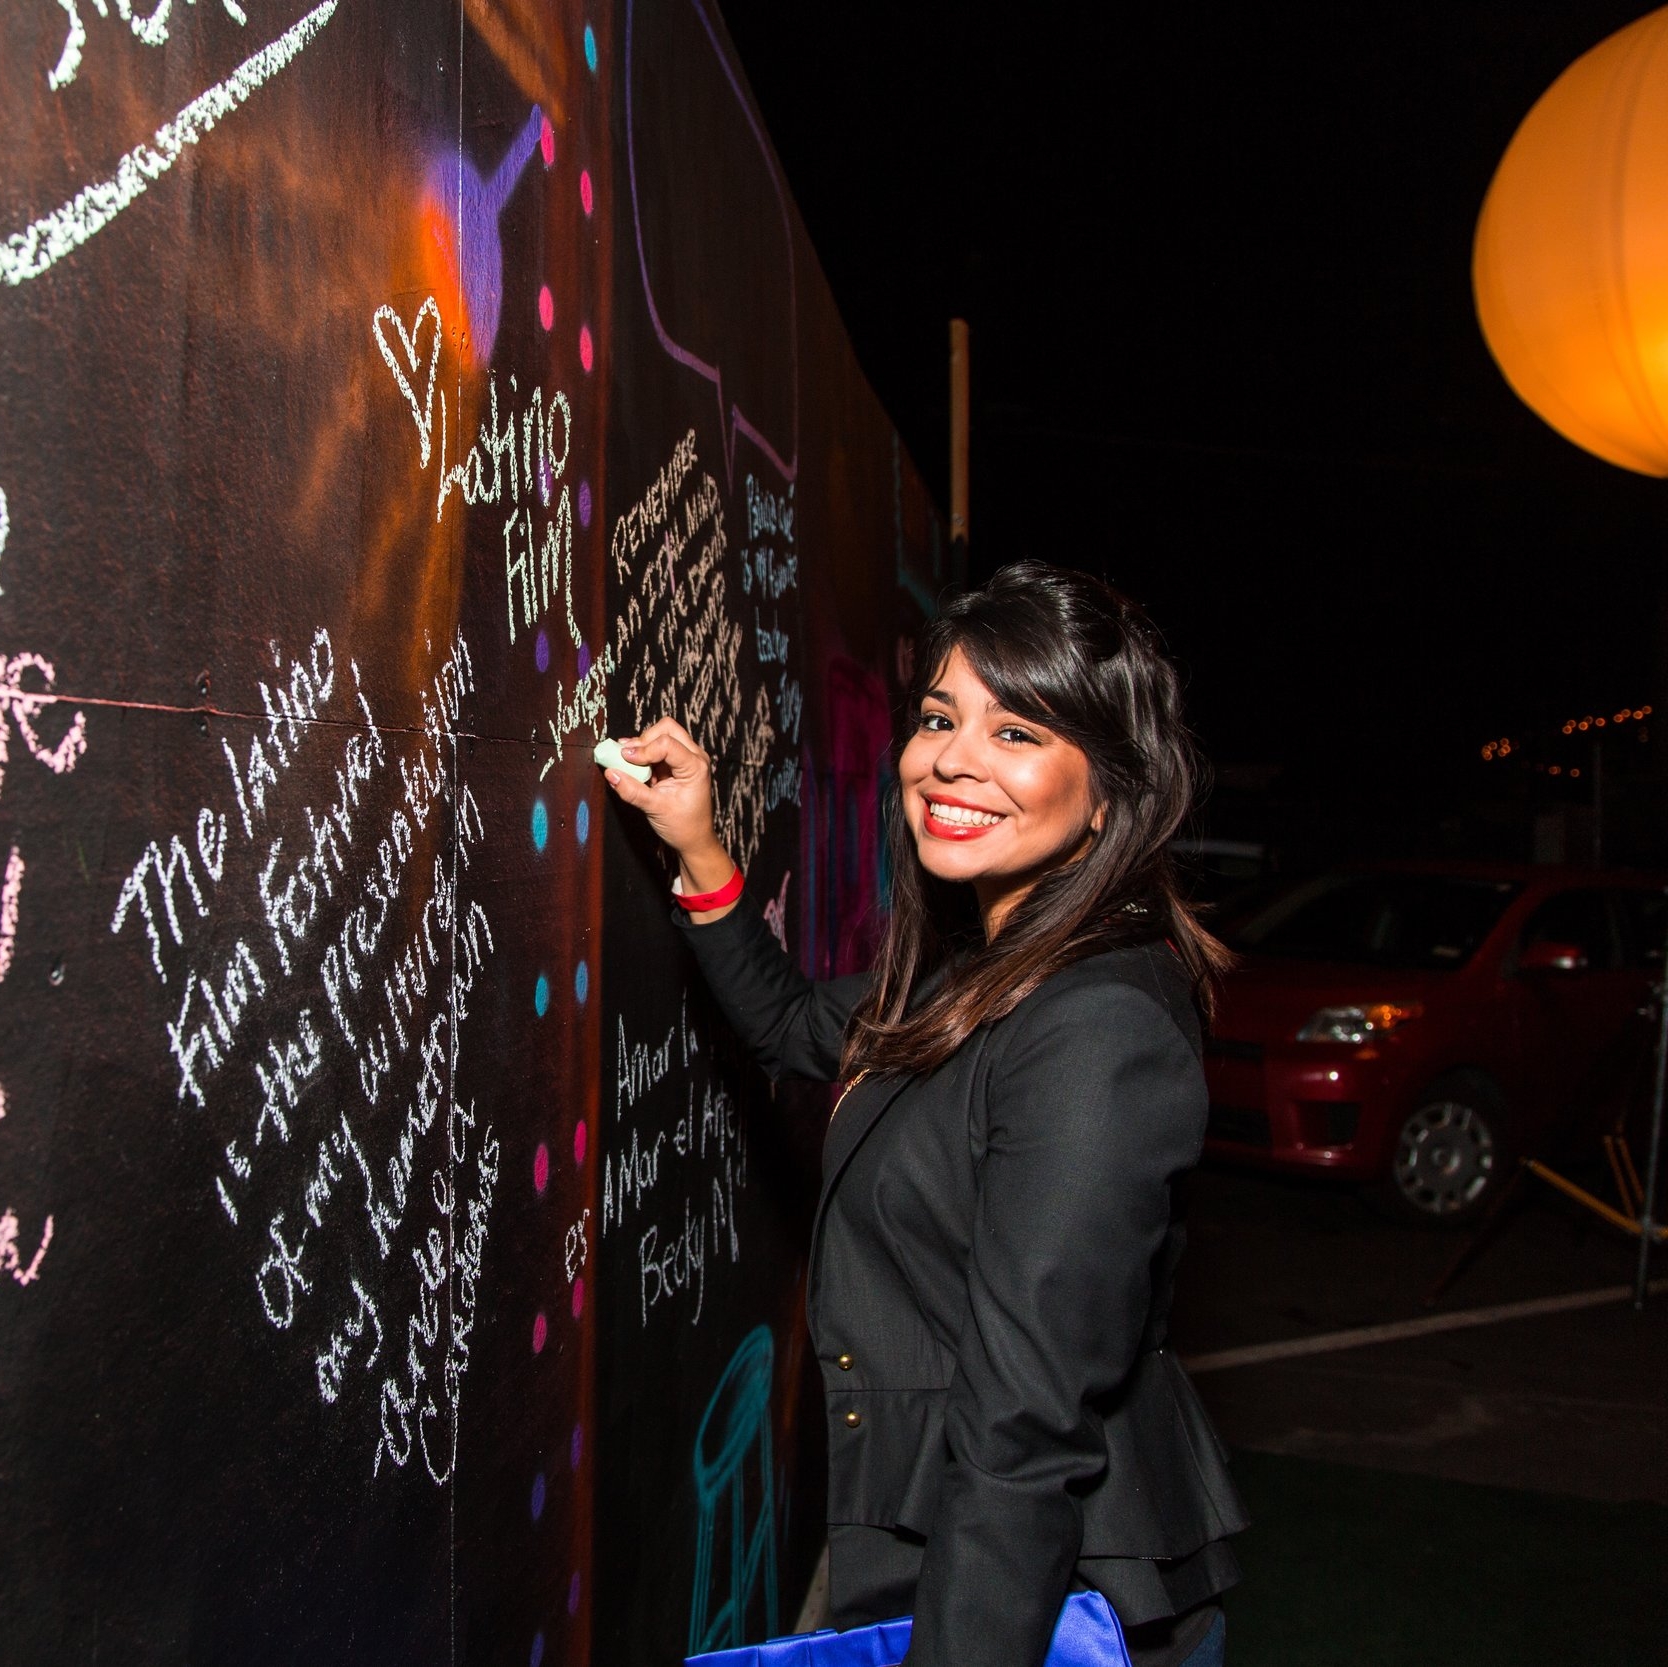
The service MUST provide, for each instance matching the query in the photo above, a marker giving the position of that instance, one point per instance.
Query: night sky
(1217, 265)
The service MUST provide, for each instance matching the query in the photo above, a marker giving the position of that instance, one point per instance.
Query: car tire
(1451, 1154)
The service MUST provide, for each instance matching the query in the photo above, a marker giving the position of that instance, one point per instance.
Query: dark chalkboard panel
(397, 1262)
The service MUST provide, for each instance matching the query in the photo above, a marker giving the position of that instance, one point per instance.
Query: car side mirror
(1552, 957)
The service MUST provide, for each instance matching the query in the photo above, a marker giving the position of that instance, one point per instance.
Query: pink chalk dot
(580, 1138)
(579, 1296)
(541, 1330)
(547, 142)
(547, 306)
(586, 200)
(587, 352)
(541, 1168)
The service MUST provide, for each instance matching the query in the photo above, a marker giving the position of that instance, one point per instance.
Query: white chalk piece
(607, 754)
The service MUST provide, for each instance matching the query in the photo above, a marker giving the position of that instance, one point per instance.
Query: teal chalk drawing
(735, 1427)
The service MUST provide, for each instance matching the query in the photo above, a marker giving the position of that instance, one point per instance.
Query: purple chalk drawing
(576, 1446)
(584, 658)
(541, 1330)
(580, 1140)
(541, 651)
(536, 1503)
(536, 1658)
(736, 420)
(573, 1594)
(541, 1168)
(470, 207)
(584, 503)
(579, 1296)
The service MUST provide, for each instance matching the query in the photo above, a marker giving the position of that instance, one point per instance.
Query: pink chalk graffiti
(10, 891)
(24, 706)
(10, 1261)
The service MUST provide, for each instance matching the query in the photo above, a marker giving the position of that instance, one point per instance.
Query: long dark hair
(1065, 651)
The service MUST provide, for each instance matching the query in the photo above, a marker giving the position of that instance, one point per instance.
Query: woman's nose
(959, 756)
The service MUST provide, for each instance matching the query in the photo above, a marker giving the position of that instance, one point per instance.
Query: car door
(1572, 1022)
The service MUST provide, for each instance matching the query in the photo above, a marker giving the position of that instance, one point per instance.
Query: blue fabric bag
(1086, 1635)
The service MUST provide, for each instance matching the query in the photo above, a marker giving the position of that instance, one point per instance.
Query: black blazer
(989, 1303)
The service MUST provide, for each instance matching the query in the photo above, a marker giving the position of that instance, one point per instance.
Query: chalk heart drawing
(422, 413)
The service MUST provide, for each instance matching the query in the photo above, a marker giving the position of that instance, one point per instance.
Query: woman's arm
(792, 1026)
(1097, 1105)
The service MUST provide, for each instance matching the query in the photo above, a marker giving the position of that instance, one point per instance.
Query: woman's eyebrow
(942, 695)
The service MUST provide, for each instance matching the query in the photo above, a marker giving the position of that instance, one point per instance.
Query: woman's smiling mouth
(947, 819)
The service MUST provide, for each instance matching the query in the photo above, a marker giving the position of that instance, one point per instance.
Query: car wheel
(1450, 1157)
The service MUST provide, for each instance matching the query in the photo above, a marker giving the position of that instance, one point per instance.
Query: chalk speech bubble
(707, 206)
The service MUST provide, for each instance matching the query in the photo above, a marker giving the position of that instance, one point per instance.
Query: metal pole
(959, 407)
(1598, 800)
(1647, 1220)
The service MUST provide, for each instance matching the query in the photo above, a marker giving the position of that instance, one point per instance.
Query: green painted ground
(1346, 1567)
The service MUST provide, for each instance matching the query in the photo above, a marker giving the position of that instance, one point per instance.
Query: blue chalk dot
(537, 1655)
(576, 1446)
(541, 824)
(582, 821)
(582, 983)
(573, 1593)
(590, 49)
(538, 1497)
(541, 996)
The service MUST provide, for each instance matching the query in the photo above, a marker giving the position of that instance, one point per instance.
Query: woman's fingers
(669, 727)
(664, 749)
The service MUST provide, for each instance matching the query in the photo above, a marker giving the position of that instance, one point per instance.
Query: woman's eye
(1013, 733)
(934, 721)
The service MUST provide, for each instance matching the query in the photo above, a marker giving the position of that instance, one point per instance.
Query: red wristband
(702, 901)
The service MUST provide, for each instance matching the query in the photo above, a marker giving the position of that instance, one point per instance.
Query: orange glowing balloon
(1570, 266)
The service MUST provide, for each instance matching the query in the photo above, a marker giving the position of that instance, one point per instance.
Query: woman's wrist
(704, 869)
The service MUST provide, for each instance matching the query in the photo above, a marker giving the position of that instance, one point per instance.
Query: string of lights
(1504, 746)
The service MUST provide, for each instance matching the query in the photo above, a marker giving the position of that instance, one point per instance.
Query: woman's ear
(1097, 822)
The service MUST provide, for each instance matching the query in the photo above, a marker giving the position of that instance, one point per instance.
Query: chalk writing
(776, 912)
(316, 1036)
(40, 245)
(152, 29)
(24, 707)
(10, 893)
(705, 1133)
(11, 1261)
(679, 651)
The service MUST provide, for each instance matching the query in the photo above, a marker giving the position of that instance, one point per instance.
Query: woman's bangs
(1024, 678)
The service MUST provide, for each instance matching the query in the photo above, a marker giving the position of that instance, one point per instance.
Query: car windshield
(1413, 922)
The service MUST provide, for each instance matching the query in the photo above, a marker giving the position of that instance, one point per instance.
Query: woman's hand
(677, 799)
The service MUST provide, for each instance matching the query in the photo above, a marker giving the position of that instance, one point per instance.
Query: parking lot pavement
(1572, 1403)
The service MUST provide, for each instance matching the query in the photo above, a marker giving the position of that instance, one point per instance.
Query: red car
(1423, 1026)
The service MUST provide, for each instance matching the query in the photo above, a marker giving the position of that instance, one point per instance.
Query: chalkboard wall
(397, 1261)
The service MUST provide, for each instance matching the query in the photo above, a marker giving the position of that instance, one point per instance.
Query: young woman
(994, 1253)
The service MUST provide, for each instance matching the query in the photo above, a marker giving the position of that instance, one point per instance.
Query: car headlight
(1358, 1024)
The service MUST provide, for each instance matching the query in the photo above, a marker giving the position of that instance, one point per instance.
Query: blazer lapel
(861, 1109)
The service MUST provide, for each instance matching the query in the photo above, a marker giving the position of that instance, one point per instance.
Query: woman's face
(992, 799)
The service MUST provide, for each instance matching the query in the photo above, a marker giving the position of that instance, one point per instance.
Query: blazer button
(853, 1419)
(845, 1363)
